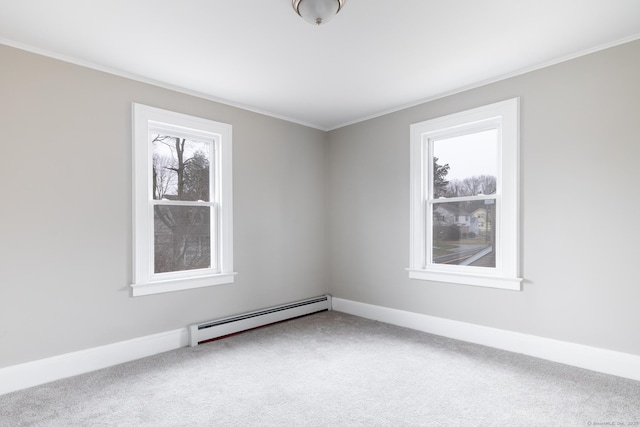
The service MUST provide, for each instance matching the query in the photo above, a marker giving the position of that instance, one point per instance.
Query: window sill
(498, 282)
(158, 287)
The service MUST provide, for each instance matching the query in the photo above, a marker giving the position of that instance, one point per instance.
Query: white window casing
(503, 117)
(218, 137)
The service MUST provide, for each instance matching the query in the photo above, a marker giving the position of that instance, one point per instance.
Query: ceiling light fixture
(317, 11)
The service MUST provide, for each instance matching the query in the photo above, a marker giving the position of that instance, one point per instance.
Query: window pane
(465, 165)
(464, 233)
(182, 238)
(180, 168)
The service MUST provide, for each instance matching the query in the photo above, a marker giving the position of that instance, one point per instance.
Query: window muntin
(464, 197)
(182, 202)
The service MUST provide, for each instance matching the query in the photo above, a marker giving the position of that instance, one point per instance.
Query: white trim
(146, 282)
(596, 359)
(159, 287)
(504, 117)
(30, 374)
(512, 284)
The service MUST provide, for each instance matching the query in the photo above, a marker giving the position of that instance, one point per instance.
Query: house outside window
(182, 202)
(464, 198)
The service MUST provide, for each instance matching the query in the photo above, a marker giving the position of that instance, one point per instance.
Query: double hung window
(182, 202)
(464, 197)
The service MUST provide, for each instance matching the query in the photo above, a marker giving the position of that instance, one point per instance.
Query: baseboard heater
(200, 332)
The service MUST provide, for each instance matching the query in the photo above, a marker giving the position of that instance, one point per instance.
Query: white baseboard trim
(19, 377)
(25, 375)
(595, 359)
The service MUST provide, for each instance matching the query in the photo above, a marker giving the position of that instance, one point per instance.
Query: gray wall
(313, 212)
(580, 143)
(65, 211)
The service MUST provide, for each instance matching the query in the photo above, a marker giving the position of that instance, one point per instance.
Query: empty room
(319, 213)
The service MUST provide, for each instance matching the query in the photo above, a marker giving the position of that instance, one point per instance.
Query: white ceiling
(376, 56)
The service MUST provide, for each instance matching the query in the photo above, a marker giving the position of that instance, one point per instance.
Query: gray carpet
(330, 369)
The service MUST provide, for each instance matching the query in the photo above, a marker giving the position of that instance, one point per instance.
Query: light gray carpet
(330, 369)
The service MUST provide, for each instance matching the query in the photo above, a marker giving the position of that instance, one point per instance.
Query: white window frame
(147, 119)
(503, 116)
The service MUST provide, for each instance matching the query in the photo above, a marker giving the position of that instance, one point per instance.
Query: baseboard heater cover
(200, 332)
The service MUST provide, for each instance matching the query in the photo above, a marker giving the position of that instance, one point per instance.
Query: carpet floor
(330, 369)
